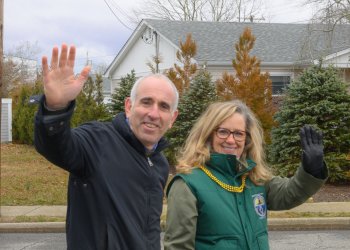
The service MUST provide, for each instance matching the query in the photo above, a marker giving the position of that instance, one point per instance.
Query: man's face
(151, 115)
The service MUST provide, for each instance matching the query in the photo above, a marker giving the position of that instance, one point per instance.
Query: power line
(121, 10)
(117, 16)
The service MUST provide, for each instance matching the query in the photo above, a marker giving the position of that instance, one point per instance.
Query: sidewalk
(302, 223)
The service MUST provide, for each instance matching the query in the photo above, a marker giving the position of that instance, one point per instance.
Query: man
(117, 172)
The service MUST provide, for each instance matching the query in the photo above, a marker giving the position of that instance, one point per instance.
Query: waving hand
(312, 145)
(61, 86)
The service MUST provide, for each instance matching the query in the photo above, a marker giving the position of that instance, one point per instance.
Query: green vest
(228, 220)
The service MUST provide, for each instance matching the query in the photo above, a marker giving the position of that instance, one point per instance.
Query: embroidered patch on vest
(259, 205)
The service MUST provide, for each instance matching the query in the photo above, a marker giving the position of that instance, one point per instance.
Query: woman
(220, 197)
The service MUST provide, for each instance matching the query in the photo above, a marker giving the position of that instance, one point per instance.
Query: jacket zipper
(150, 163)
(148, 205)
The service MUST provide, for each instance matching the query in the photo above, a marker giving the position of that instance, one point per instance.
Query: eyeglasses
(224, 133)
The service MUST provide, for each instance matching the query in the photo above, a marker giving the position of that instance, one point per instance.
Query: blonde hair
(197, 148)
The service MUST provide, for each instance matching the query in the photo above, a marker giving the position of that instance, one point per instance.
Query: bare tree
(99, 68)
(331, 11)
(184, 10)
(200, 10)
(322, 27)
(19, 66)
(248, 10)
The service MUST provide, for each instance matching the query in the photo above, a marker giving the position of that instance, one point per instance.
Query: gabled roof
(276, 43)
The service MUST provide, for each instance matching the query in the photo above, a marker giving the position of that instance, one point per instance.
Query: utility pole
(1, 37)
(1, 49)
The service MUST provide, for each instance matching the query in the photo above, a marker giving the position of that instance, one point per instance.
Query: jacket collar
(123, 128)
(228, 164)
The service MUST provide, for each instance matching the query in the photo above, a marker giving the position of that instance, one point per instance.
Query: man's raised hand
(61, 86)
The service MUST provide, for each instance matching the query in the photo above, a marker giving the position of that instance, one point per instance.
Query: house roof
(275, 42)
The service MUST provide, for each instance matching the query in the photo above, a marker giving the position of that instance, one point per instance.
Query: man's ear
(127, 106)
(176, 112)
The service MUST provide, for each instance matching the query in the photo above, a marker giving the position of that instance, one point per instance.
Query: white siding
(6, 120)
(341, 61)
(139, 55)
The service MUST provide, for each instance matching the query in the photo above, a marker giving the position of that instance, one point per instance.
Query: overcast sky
(92, 26)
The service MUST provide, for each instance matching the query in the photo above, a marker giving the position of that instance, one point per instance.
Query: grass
(27, 178)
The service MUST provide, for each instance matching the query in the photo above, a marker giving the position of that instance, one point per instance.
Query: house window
(279, 83)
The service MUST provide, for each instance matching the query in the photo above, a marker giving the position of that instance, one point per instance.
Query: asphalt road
(286, 240)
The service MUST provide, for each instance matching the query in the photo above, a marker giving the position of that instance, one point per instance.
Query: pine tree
(319, 98)
(199, 95)
(24, 112)
(99, 89)
(248, 84)
(89, 103)
(182, 75)
(119, 95)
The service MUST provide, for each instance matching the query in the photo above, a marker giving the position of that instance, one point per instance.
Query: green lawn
(29, 179)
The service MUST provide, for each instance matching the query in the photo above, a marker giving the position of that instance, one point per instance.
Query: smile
(150, 125)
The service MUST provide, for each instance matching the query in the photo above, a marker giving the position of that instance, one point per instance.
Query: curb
(274, 224)
(33, 227)
(316, 223)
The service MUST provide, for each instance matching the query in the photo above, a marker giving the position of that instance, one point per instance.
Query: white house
(284, 49)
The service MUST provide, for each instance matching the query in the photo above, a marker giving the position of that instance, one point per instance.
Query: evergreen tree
(183, 75)
(99, 89)
(119, 95)
(89, 103)
(199, 95)
(23, 112)
(89, 107)
(319, 98)
(249, 84)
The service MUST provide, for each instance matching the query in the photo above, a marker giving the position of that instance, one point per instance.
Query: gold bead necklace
(225, 186)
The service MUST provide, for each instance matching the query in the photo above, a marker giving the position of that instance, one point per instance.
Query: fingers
(63, 56)
(310, 136)
(65, 59)
(316, 136)
(54, 58)
(306, 136)
(303, 139)
(84, 74)
(71, 56)
(45, 66)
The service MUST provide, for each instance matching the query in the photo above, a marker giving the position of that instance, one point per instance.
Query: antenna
(252, 18)
(88, 61)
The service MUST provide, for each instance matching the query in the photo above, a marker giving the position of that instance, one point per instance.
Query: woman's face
(235, 141)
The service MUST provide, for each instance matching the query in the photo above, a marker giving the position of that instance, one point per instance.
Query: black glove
(312, 146)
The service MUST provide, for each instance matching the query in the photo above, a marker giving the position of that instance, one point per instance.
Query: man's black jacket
(115, 189)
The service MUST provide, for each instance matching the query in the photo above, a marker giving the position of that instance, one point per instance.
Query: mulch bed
(333, 193)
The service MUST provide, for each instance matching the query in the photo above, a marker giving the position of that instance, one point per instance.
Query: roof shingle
(275, 42)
